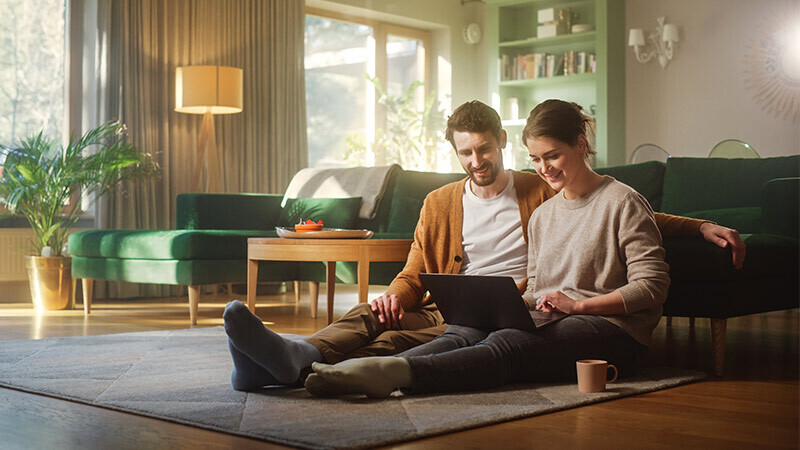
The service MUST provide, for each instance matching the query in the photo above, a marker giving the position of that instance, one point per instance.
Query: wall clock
(472, 33)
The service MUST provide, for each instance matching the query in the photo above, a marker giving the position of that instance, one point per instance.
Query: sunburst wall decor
(772, 63)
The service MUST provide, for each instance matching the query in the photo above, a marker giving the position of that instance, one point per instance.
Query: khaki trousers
(359, 333)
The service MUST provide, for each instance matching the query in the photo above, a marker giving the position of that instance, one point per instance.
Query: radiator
(14, 244)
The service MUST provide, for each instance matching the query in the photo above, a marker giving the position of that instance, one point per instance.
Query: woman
(594, 253)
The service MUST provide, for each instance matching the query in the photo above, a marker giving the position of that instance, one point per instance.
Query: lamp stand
(208, 139)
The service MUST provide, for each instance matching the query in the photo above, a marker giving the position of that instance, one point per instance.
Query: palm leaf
(40, 177)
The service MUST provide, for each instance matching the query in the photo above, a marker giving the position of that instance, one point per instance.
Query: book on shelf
(580, 62)
(531, 66)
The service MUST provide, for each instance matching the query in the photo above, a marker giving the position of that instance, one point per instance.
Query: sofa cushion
(647, 178)
(409, 194)
(333, 212)
(176, 271)
(698, 184)
(164, 244)
(745, 219)
(780, 200)
(228, 211)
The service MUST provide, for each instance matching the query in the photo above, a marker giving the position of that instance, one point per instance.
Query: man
(473, 226)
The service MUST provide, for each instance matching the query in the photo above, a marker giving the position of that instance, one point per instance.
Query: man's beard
(492, 172)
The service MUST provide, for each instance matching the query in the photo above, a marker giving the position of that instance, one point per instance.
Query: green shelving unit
(512, 34)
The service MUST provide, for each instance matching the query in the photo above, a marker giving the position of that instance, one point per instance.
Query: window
(366, 98)
(32, 61)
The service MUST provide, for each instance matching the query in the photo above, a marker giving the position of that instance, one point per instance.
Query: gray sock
(247, 375)
(281, 357)
(375, 377)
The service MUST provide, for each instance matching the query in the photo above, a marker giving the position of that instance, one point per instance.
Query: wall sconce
(661, 41)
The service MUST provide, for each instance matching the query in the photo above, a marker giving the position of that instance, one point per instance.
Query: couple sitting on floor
(589, 246)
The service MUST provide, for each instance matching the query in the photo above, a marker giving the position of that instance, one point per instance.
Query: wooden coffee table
(364, 251)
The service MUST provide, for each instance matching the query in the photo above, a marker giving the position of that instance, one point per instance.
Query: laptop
(484, 302)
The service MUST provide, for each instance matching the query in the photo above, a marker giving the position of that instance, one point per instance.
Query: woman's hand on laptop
(556, 301)
(389, 309)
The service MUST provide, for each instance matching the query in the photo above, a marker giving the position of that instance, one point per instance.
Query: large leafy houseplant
(41, 177)
(413, 132)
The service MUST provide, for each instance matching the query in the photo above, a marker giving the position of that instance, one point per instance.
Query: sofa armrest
(780, 206)
(228, 211)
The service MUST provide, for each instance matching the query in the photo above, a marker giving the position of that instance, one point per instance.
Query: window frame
(381, 30)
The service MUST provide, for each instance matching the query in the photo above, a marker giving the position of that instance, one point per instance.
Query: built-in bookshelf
(586, 66)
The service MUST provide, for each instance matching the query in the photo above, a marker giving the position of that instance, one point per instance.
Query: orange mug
(593, 375)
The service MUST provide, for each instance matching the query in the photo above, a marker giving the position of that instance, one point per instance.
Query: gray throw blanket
(369, 183)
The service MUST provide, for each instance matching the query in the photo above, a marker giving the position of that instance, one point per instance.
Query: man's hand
(725, 237)
(389, 309)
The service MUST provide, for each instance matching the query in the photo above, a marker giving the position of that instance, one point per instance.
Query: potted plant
(43, 182)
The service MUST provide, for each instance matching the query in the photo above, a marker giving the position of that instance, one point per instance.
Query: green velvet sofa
(758, 197)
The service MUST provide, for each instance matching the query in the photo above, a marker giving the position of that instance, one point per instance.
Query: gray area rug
(183, 376)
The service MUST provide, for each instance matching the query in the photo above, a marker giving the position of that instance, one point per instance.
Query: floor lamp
(208, 90)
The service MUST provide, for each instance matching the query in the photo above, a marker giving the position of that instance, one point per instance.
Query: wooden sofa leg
(296, 291)
(313, 289)
(669, 321)
(194, 301)
(718, 343)
(691, 322)
(87, 284)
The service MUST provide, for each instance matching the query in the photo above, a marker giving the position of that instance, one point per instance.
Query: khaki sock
(375, 377)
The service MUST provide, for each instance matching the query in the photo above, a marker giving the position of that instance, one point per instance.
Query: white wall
(702, 97)
(459, 73)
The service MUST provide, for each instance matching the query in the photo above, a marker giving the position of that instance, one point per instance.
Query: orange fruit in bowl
(308, 225)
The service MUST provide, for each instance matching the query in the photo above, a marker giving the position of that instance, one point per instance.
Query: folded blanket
(369, 183)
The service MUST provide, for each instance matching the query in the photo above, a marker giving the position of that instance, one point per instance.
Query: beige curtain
(141, 42)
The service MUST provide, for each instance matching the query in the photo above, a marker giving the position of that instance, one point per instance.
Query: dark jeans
(465, 358)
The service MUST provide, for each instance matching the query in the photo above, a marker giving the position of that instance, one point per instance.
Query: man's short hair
(473, 117)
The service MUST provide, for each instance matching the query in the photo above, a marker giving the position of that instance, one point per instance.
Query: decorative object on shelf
(581, 28)
(733, 148)
(565, 18)
(208, 90)
(648, 152)
(472, 33)
(44, 182)
(772, 63)
(546, 15)
(661, 43)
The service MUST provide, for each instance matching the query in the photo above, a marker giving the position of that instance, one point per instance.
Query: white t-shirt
(492, 235)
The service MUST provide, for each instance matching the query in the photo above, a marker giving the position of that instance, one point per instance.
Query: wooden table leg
(330, 280)
(252, 284)
(363, 275)
(313, 294)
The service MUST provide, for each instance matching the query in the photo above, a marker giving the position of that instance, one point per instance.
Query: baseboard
(14, 292)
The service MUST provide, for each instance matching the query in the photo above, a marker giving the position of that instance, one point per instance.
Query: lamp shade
(670, 33)
(208, 89)
(636, 37)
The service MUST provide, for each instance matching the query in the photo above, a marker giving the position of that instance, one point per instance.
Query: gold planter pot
(50, 278)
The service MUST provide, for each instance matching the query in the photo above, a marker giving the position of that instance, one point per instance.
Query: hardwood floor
(756, 403)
